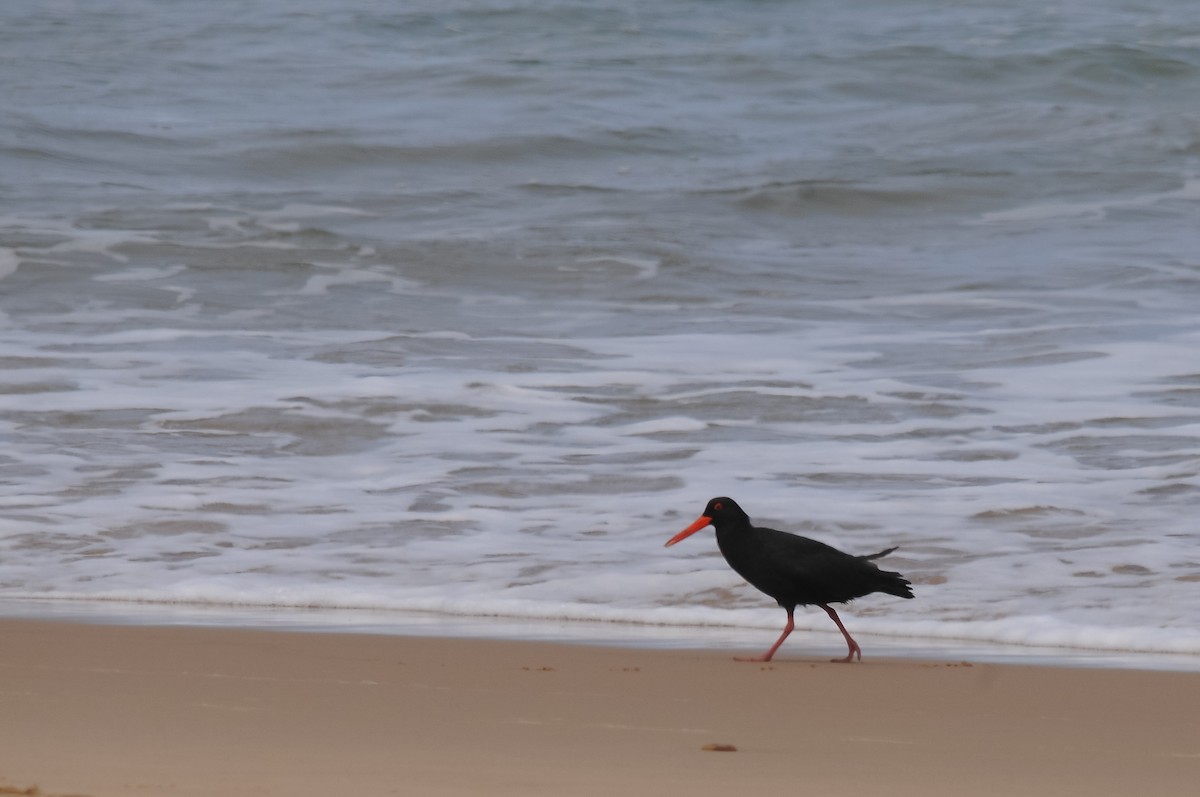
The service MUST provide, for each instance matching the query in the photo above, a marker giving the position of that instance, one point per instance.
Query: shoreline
(118, 710)
(743, 640)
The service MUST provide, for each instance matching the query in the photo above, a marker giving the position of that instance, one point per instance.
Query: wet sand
(107, 711)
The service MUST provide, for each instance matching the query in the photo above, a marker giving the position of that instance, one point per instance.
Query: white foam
(645, 268)
(339, 276)
(143, 274)
(9, 262)
(1096, 209)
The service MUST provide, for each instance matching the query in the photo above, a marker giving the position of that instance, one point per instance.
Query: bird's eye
(718, 506)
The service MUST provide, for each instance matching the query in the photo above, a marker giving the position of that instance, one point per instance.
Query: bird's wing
(807, 571)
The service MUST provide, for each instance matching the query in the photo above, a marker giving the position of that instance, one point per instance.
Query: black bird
(794, 570)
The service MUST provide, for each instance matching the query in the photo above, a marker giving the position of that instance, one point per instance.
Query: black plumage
(795, 570)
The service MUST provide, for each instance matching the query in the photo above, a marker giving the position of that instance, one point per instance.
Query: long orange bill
(700, 523)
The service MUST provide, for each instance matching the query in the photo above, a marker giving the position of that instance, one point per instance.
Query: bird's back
(798, 571)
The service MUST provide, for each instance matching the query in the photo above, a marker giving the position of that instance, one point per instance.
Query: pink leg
(854, 648)
(787, 629)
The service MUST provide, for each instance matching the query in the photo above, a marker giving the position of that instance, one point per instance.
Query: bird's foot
(854, 651)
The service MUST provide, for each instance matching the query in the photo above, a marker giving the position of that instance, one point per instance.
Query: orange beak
(700, 523)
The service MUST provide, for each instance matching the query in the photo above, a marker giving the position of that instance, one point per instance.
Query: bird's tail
(889, 582)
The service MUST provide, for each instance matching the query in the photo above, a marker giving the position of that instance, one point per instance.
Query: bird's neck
(731, 535)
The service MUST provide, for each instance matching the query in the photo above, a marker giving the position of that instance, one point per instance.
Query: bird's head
(718, 512)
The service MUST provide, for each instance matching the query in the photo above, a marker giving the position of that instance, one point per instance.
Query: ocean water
(464, 308)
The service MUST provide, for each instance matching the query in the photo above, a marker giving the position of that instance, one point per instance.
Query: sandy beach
(107, 711)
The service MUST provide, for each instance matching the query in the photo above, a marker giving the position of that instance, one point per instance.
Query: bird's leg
(787, 629)
(854, 648)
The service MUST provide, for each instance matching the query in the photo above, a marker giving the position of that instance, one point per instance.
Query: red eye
(718, 506)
